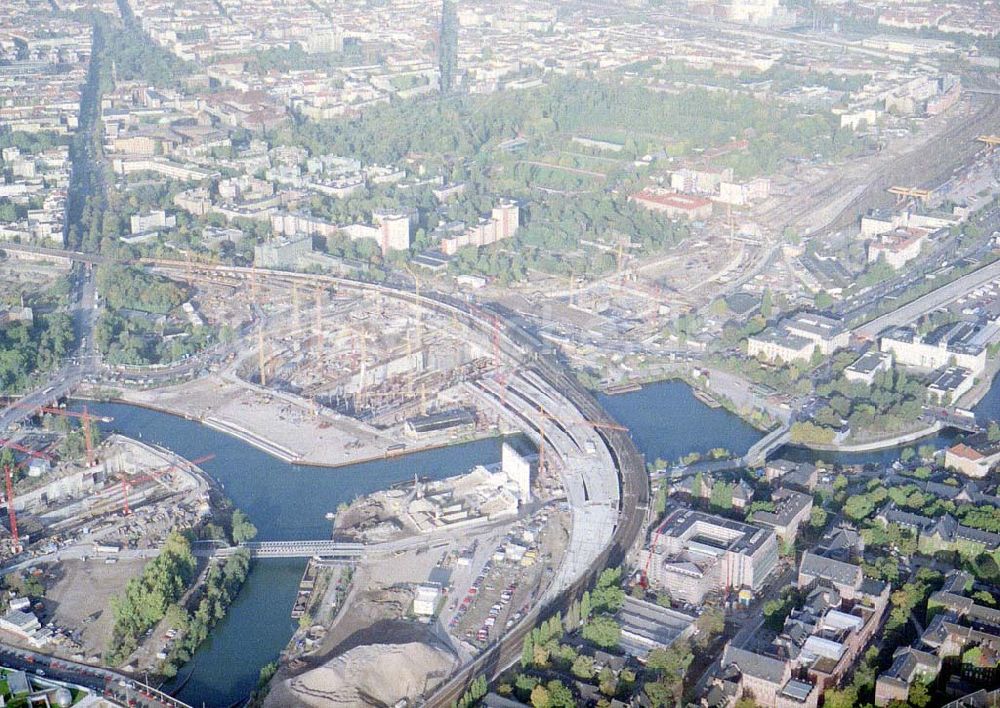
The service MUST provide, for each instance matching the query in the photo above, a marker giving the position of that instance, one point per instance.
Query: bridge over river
(332, 550)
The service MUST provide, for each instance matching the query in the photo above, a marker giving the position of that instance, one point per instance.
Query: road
(102, 681)
(929, 302)
(84, 362)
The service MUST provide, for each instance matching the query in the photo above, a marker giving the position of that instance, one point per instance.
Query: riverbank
(287, 428)
(285, 502)
(970, 400)
(700, 387)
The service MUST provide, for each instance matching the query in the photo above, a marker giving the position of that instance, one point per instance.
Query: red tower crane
(27, 451)
(644, 580)
(154, 475)
(9, 478)
(84, 417)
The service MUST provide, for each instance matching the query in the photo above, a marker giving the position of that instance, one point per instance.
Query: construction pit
(331, 376)
(420, 611)
(127, 494)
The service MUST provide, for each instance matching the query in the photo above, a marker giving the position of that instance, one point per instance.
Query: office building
(694, 554)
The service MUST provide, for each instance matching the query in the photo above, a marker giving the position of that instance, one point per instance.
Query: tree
(846, 697)
(583, 667)
(767, 304)
(710, 624)
(607, 682)
(243, 528)
(478, 688)
(573, 615)
(858, 507)
(602, 631)
(608, 596)
(541, 655)
(524, 684)
(984, 597)
(540, 697)
(559, 695)
(668, 666)
(660, 693)
(585, 607)
(919, 696)
(527, 652)
(721, 495)
(817, 517)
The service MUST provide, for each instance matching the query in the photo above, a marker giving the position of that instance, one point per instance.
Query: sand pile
(369, 675)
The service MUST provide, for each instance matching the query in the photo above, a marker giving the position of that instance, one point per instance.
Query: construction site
(86, 513)
(321, 374)
(58, 501)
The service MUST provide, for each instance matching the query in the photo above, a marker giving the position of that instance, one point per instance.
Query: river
(285, 502)
(289, 502)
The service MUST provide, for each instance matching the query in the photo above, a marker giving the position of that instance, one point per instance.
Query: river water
(288, 502)
(285, 502)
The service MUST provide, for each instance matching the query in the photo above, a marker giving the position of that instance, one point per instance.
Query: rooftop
(646, 626)
(694, 526)
(950, 379)
(869, 362)
(813, 323)
(830, 569)
(787, 505)
(756, 665)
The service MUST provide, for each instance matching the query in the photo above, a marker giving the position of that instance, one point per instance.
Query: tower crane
(84, 417)
(27, 451)
(154, 475)
(9, 478)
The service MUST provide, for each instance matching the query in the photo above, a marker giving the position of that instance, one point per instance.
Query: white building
(152, 220)
(394, 231)
(425, 600)
(867, 366)
(518, 470)
(827, 333)
(776, 345)
(282, 252)
(324, 41)
(949, 345)
(508, 218)
(23, 624)
(897, 247)
(798, 337)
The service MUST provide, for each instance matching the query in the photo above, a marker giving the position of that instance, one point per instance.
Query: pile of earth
(368, 675)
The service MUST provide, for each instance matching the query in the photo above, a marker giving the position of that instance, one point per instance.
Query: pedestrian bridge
(768, 444)
(334, 550)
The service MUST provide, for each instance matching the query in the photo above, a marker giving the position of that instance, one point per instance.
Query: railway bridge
(333, 550)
